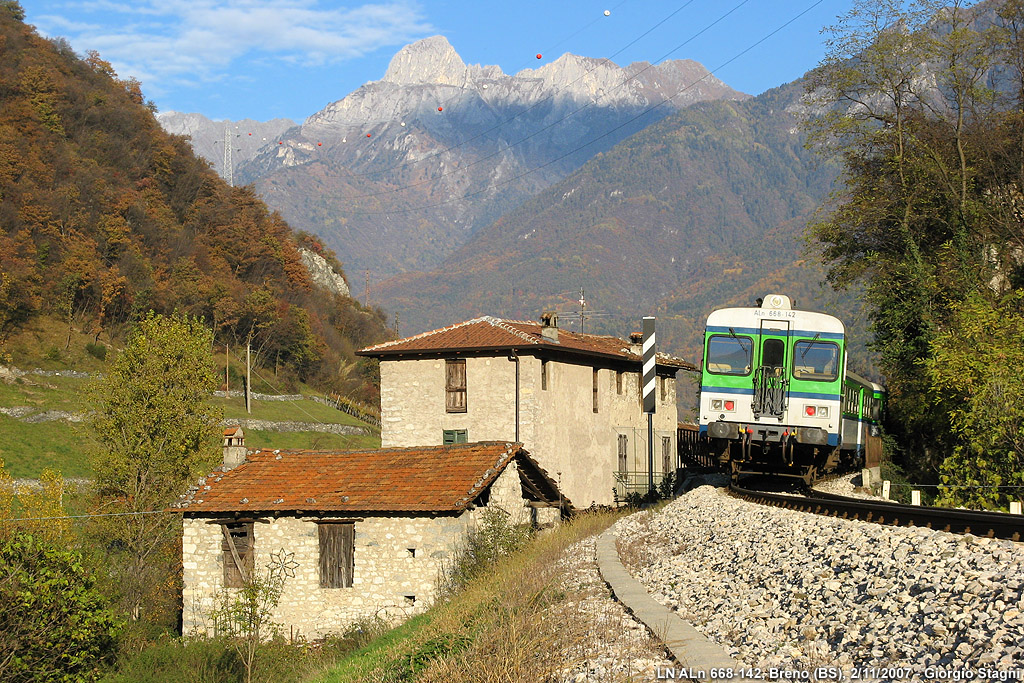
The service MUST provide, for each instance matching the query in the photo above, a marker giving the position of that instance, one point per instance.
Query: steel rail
(988, 524)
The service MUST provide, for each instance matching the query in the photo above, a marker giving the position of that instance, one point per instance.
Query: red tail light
(730, 405)
(810, 410)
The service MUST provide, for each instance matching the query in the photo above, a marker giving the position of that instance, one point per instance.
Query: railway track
(989, 524)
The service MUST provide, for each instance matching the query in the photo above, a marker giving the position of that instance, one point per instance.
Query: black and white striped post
(650, 380)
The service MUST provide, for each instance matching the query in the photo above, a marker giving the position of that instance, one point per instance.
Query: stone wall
(397, 560)
(397, 563)
(558, 426)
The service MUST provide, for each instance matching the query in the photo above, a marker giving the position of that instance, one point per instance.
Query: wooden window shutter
(623, 452)
(666, 455)
(455, 385)
(337, 554)
(595, 388)
(237, 556)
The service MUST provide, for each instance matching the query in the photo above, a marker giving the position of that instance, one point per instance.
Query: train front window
(729, 354)
(773, 353)
(816, 360)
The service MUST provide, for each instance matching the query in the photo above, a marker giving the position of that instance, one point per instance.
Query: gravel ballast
(787, 590)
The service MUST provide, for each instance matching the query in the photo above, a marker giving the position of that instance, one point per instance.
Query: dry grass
(531, 618)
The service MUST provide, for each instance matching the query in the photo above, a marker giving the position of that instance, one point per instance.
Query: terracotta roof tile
(486, 332)
(422, 479)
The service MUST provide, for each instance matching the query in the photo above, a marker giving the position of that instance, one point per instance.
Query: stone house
(356, 534)
(573, 400)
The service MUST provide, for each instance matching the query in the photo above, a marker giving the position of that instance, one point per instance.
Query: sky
(266, 59)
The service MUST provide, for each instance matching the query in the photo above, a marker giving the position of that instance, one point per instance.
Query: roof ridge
(490, 474)
(428, 333)
(504, 325)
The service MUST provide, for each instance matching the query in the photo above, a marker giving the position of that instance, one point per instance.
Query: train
(776, 397)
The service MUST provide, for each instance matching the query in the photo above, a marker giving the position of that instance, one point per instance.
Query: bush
(54, 622)
(96, 350)
(494, 538)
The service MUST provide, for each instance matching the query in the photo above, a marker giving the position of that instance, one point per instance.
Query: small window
(618, 382)
(595, 389)
(815, 360)
(729, 355)
(773, 353)
(237, 555)
(454, 436)
(337, 554)
(455, 385)
(544, 374)
(623, 448)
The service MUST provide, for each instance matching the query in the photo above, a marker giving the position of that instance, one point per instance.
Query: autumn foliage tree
(158, 432)
(104, 216)
(922, 103)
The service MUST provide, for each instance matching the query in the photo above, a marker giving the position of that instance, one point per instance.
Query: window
(237, 556)
(453, 436)
(729, 355)
(455, 385)
(618, 382)
(544, 374)
(815, 360)
(667, 465)
(595, 389)
(623, 448)
(773, 353)
(337, 546)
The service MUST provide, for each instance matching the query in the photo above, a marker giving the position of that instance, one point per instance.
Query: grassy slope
(29, 448)
(504, 626)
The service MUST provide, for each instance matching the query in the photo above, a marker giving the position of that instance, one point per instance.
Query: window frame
(453, 389)
(596, 386)
(816, 342)
(735, 337)
(337, 544)
(238, 563)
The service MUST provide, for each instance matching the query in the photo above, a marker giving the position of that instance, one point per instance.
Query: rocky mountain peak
(431, 61)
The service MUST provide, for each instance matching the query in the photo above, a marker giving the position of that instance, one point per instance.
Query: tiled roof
(484, 333)
(418, 479)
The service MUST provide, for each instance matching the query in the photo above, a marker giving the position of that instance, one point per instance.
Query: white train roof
(776, 309)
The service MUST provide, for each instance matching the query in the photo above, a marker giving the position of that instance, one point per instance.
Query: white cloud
(162, 42)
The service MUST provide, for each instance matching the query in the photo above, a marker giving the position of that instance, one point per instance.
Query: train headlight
(822, 411)
(716, 404)
(816, 411)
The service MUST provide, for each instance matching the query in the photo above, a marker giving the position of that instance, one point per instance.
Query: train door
(771, 383)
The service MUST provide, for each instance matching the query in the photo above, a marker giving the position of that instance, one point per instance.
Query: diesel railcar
(776, 397)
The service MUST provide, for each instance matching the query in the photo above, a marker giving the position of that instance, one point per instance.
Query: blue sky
(264, 59)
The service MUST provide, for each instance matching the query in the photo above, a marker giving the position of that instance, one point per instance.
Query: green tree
(55, 624)
(157, 431)
(975, 367)
(928, 210)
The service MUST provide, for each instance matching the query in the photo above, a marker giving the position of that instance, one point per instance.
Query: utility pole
(366, 292)
(227, 375)
(229, 165)
(248, 376)
(583, 305)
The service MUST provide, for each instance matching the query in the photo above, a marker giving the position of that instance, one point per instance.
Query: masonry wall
(558, 426)
(395, 558)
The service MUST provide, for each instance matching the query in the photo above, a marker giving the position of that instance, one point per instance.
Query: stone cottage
(355, 533)
(573, 400)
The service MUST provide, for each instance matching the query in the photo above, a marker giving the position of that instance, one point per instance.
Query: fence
(693, 450)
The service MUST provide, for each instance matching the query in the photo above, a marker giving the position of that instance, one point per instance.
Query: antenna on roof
(583, 306)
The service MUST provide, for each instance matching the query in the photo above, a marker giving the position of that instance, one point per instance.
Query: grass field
(29, 448)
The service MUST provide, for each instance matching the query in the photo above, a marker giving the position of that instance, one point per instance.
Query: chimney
(636, 343)
(234, 447)
(549, 325)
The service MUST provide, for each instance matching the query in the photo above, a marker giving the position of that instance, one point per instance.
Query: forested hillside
(104, 216)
